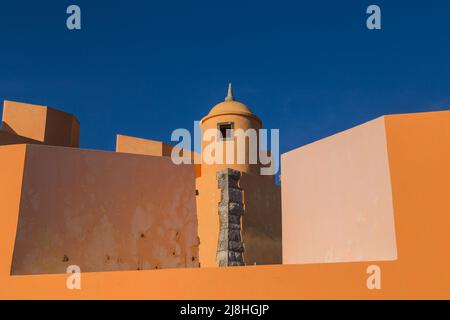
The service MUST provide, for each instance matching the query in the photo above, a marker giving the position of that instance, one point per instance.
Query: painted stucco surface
(104, 211)
(127, 144)
(337, 199)
(7, 138)
(41, 124)
(262, 220)
(208, 199)
(24, 120)
(12, 160)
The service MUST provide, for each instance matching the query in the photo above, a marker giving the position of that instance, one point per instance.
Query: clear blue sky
(144, 68)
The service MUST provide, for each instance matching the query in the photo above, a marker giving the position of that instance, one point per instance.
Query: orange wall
(208, 218)
(257, 221)
(253, 282)
(148, 147)
(7, 138)
(127, 144)
(61, 129)
(104, 211)
(420, 177)
(419, 158)
(261, 223)
(337, 199)
(40, 123)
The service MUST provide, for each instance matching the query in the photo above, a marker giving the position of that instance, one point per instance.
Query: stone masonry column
(230, 249)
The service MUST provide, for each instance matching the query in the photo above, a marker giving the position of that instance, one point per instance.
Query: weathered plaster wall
(104, 211)
(208, 199)
(240, 122)
(337, 199)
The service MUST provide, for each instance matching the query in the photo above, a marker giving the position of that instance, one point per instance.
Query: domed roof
(230, 106)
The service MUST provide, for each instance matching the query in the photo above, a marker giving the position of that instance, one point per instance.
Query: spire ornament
(230, 96)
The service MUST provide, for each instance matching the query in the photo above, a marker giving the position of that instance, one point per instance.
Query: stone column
(230, 249)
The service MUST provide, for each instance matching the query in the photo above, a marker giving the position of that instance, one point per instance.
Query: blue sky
(145, 68)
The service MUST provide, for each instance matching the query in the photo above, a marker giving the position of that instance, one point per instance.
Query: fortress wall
(127, 144)
(40, 123)
(25, 120)
(7, 138)
(12, 161)
(337, 199)
(104, 211)
(261, 222)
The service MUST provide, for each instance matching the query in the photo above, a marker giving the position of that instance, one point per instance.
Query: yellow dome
(230, 106)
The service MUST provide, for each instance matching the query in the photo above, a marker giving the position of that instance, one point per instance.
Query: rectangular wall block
(337, 199)
(104, 211)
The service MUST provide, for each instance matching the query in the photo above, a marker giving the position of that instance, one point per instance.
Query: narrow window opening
(226, 130)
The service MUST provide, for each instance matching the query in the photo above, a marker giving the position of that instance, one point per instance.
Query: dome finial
(230, 97)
